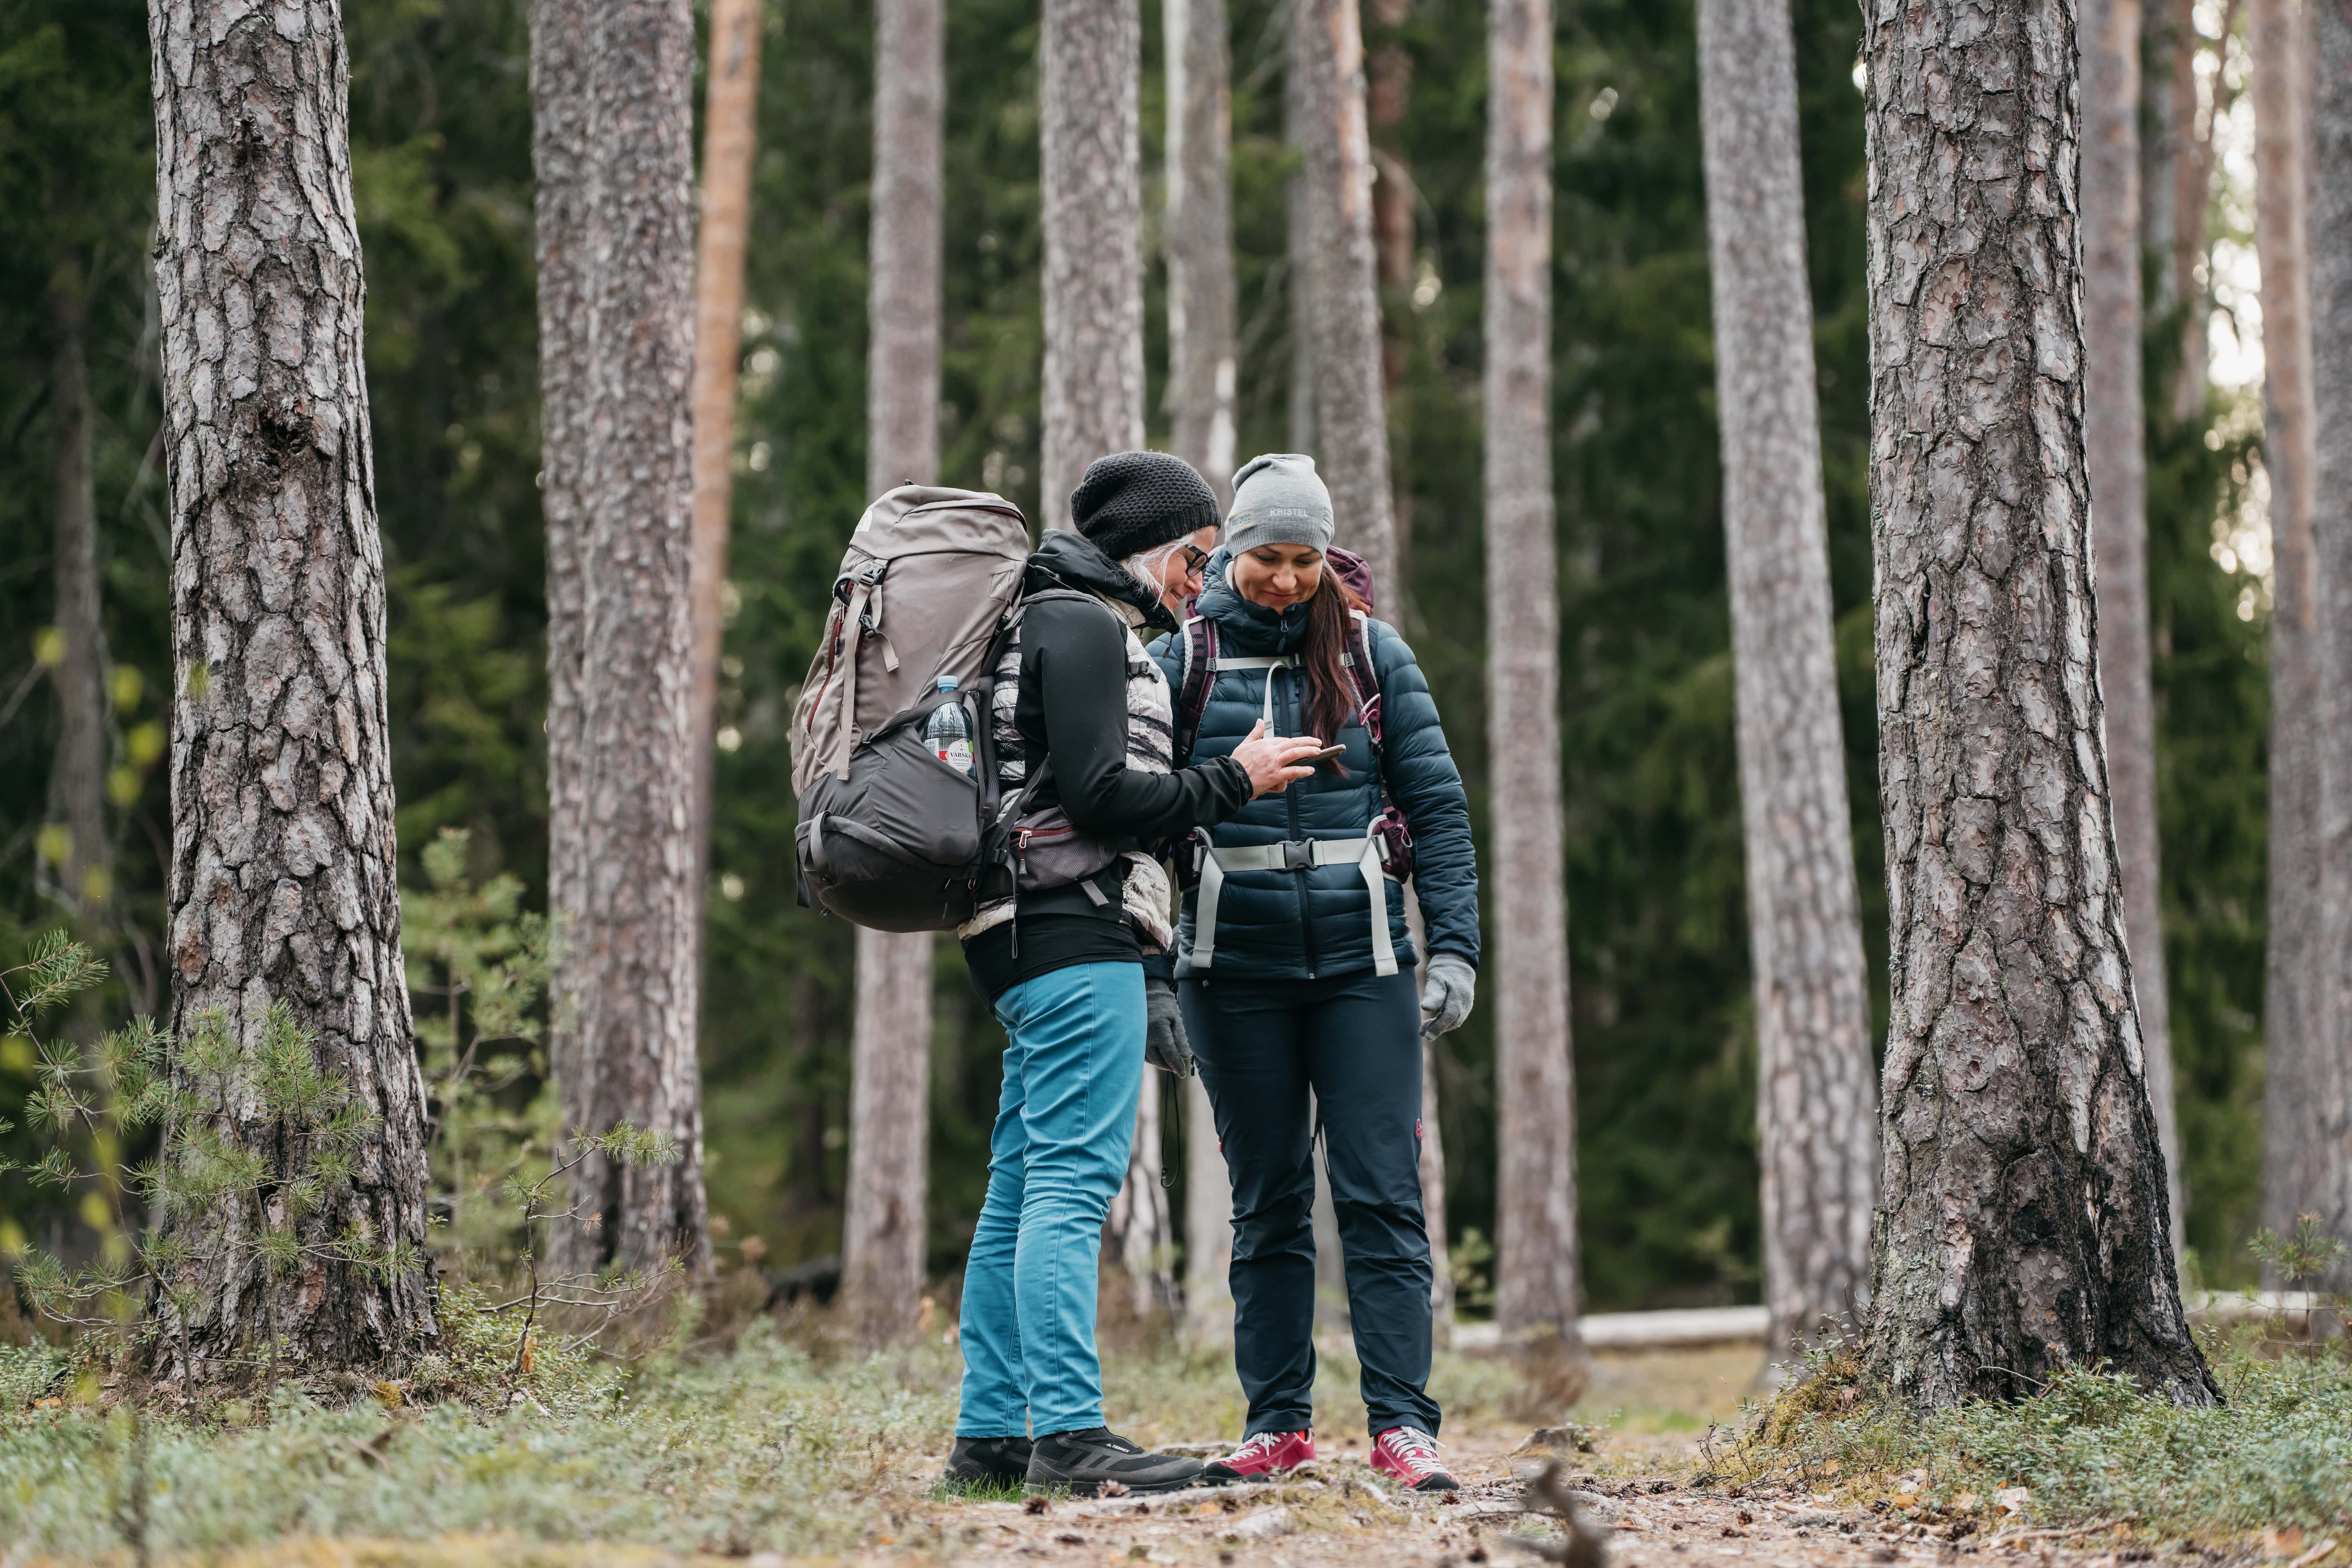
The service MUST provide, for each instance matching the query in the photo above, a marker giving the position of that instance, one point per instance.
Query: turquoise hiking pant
(1073, 1068)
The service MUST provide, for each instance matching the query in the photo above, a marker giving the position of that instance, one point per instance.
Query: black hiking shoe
(1083, 1462)
(988, 1462)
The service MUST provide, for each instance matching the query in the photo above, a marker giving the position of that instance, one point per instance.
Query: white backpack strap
(1376, 884)
(1204, 909)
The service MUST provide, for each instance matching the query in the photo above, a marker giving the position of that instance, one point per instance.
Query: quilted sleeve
(1422, 779)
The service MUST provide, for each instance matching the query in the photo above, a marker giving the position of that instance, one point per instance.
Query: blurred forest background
(1664, 1053)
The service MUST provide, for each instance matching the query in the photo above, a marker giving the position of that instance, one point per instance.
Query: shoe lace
(1262, 1443)
(1412, 1447)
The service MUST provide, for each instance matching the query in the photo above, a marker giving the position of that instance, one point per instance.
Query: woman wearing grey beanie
(1295, 968)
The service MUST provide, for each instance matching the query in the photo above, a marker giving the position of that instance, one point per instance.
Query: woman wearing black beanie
(1083, 725)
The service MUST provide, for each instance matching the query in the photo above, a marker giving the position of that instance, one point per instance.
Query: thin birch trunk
(1208, 1225)
(729, 139)
(1536, 1281)
(283, 885)
(2115, 432)
(1198, 236)
(1091, 64)
(77, 802)
(1815, 1100)
(2013, 1082)
(2294, 1164)
(2331, 528)
(1344, 315)
(885, 1223)
(632, 960)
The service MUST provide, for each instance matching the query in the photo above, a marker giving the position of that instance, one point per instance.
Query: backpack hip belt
(1369, 854)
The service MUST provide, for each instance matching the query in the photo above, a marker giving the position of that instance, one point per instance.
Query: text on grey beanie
(1279, 498)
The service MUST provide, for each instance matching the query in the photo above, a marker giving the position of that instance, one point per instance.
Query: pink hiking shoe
(1261, 1457)
(1410, 1456)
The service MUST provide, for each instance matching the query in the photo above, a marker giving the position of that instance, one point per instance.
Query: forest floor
(772, 1454)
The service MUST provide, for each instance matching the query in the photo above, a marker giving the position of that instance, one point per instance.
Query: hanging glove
(1447, 994)
(1164, 1045)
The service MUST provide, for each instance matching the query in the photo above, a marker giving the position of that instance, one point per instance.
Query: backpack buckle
(1297, 854)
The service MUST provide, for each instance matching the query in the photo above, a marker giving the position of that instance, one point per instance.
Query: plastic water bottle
(949, 734)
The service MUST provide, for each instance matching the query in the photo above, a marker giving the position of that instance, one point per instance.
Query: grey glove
(1164, 1045)
(1447, 994)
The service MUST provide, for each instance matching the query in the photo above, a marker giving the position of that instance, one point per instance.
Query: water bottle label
(957, 754)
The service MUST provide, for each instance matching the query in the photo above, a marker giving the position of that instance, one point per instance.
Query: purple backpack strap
(1363, 676)
(1200, 678)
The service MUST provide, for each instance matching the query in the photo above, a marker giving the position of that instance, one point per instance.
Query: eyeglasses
(1195, 558)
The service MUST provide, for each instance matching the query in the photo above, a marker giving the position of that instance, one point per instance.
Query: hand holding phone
(1324, 755)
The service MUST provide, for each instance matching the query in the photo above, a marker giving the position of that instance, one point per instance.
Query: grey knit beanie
(1279, 499)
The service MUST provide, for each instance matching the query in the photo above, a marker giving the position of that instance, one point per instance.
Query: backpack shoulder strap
(1200, 636)
(1362, 674)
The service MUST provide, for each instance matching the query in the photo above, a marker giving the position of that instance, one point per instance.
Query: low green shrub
(2091, 1448)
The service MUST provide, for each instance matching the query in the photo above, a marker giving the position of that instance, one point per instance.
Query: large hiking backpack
(890, 836)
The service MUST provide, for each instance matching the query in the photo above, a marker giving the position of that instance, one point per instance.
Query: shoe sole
(1212, 1475)
(1094, 1489)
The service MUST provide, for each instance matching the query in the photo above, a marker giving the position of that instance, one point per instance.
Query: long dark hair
(1331, 696)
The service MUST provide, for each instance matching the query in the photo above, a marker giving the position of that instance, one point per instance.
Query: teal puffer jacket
(1311, 922)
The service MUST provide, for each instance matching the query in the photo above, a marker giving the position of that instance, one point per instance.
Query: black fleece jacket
(1073, 709)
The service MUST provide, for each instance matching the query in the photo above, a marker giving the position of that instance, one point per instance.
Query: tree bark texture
(1208, 1225)
(885, 1225)
(631, 966)
(1139, 1228)
(78, 772)
(1816, 1102)
(2023, 1224)
(564, 242)
(1536, 1272)
(2115, 432)
(1199, 235)
(2331, 525)
(283, 881)
(2192, 179)
(1090, 85)
(1344, 315)
(1299, 246)
(729, 139)
(2295, 1169)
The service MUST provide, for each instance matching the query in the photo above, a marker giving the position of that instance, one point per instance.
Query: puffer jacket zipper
(1293, 717)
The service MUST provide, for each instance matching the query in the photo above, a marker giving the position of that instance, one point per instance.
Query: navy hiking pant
(1355, 1042)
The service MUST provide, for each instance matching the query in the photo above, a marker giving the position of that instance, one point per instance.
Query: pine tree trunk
(729, 138)
(1537, 1265)
(2158, 49)
(1299, 245)
(1139, 1228)
(2295, 1162)
(1091, 82)
(631, 963)
(283, 885)
(1199, 235)
(885, 1225)
(563, 169)
(78, 772)
(2115, 433)
(2023, 1226)
(1344, 313)
(1816, 1099)
(2192, 177)
(2331, 519)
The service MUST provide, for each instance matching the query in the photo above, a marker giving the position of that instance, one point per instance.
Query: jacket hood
(1251, 629)
(1067, 560)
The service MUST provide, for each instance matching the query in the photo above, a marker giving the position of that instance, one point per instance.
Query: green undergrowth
(2091, 1448)
(775, 1436)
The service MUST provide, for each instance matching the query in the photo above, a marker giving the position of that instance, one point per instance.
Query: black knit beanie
(1131, 502)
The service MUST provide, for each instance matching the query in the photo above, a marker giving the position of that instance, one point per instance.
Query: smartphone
(1324, 755)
